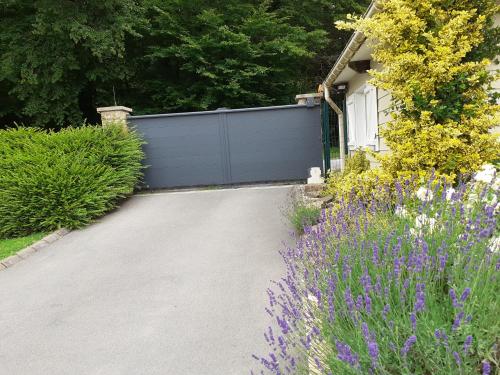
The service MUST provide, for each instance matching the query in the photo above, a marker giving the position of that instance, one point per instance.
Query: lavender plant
(384, 288)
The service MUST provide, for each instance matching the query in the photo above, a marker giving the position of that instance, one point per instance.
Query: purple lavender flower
(331, 308)
(366, 281)
(408, 344)
(368, 304)
(386, 292)
(385, 311)
(441, 336)
(442, 261)
(282, 323)
(282, 345)
(359, 303)
(378, 285)
(373, 351)
(346, 269)
(397, 267)
(486, 368)
(467, 344)
(345, 354)
(465, 294)
(366, 332)
(457, 321)
(413, 319)
(437, 334)
(420, 297)
(457, 358)
(375, 256)
(348, 300)
(453, 297)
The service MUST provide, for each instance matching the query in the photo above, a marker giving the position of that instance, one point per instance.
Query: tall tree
(321, 15)
(209, 54)
(55, 55)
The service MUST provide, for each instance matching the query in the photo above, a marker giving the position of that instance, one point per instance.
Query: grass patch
(304, 216)
(301, 214)
(11, 246)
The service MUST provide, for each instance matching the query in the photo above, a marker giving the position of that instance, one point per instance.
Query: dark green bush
(50, 180)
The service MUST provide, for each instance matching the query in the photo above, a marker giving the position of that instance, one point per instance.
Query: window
(362, 118)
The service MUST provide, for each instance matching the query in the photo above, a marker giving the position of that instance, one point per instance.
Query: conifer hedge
(50, 180)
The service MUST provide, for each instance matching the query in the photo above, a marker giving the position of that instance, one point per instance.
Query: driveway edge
(33, 248)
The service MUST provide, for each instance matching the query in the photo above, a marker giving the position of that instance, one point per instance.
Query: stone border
(33, 248)
(311, 194)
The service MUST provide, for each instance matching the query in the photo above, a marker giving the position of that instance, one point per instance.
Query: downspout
(340, 115)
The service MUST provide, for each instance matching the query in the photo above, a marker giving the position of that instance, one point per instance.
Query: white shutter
(371, 115)
(360, 125)
(351, 122)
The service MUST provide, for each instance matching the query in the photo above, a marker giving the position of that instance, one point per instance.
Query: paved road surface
(170, 283)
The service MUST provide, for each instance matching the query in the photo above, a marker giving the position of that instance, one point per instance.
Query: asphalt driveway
(170, 283)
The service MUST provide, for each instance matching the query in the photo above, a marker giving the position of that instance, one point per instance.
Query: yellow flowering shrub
(358, 180)
(442, 114)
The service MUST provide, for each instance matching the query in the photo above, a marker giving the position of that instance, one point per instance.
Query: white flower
(414, 232)
(488, 167)
(473, 197)
(401, 212)
(424, 194)
(449, 194)
(490, 199)
(425, 221)
(496, 185)
(312, 298)
(494, 245)
(486, 174)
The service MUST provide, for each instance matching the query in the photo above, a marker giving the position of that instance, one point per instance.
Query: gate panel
(182, 150)
(274, 145)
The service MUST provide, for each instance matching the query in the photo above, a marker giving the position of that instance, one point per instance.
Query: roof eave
(355, 42)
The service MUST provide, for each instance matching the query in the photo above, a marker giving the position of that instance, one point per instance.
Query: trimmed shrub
(50, 180)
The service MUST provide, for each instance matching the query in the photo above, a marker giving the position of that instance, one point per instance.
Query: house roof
(356, 49)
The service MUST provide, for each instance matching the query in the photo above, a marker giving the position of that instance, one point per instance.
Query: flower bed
(379, 288)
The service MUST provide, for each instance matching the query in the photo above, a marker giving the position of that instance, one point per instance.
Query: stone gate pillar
(114, 115)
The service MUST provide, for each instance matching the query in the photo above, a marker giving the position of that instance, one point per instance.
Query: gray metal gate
(230, 146)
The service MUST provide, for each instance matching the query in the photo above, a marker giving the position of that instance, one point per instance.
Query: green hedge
(50, 180)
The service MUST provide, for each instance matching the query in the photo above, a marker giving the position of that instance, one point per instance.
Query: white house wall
(495, 66)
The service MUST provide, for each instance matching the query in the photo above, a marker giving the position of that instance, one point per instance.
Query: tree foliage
(433, 57)
(54, 56)
(61, 59)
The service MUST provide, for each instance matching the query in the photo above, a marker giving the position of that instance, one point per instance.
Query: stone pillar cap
(311, 95)
(114, 108)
